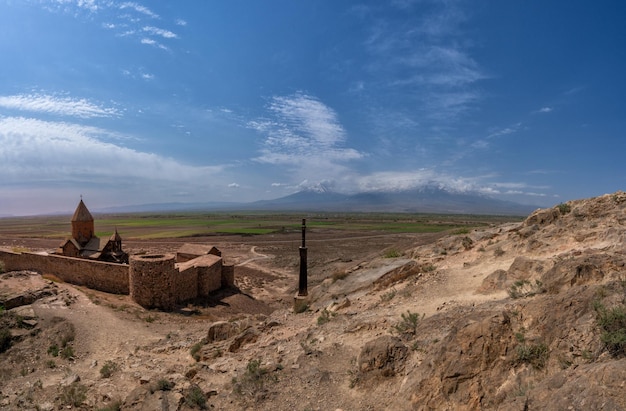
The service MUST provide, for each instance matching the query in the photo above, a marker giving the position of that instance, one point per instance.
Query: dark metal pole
(302, 283)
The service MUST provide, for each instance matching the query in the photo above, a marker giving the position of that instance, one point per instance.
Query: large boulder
(385, 354)
(583, 268)
(222, 330)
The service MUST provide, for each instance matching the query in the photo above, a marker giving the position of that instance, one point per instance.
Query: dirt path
(258, 256)
(101, 335)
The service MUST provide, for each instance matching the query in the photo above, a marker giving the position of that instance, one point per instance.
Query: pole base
(300, 303)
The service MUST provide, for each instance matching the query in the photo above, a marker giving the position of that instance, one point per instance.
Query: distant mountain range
(423, 200)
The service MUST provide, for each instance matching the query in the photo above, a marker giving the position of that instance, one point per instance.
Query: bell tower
(82, 224)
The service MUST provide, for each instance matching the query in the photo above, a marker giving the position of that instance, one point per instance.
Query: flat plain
(335, 241)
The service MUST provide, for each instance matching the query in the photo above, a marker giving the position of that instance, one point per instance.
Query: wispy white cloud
(160, 32)
(427, 56)
(302, 127)
(305, 135)
(35, 150)
(138, 8)
(138, 73)
(151, 42)
(233, 185)
(131, 23)
(64, 106)
(574, 90)
(545, 109)
(482, 144)
(505, 131)
(442, 66)
(89, 5)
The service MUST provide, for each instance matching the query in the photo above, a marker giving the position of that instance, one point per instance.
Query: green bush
(53, 350)
(108, 369)
(388, 296)
(67, 352)
(392, 253)
(324, 317)
(535, 355)
(612, 322)
(564, 208)
(194, 397)
(73, 395)
(253, 380)
(195, 350)
(524, 288)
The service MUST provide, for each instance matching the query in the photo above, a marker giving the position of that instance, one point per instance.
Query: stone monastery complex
(160, 281)
(85, 244)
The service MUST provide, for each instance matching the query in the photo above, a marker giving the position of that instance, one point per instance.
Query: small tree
(409, 322)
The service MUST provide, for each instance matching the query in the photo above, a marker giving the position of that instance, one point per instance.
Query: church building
(85, 244)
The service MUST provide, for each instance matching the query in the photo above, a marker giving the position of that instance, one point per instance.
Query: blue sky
(129, 102)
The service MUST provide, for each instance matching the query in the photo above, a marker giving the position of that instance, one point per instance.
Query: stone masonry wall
(151, 281)
(186, 284)
(228, 276)
(107, 277)
(209, 279)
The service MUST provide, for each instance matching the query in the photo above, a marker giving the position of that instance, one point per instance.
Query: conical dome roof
(81, 213)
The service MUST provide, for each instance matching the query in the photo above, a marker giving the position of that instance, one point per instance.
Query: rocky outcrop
(385, 354)
(523, 353)
(578, 268)
(522, 269)
(16, 298)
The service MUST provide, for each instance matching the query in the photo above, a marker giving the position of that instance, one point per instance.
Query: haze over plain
(144, 102)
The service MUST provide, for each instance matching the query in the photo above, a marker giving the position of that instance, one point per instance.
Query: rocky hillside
(522, 316)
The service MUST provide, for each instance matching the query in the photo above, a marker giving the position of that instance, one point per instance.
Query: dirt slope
(514, 317)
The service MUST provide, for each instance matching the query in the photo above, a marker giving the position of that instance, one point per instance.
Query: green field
(192, 224)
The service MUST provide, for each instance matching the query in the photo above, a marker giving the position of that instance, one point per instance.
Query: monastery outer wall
(228, 276)
(209, 279)
(186, 284)
(155, 282)
(98, 275)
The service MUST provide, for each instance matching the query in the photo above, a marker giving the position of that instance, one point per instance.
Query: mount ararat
(428, 199)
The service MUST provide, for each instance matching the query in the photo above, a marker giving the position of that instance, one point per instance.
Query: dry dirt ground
(504, 318)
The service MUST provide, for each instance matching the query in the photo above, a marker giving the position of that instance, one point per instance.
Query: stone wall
(209, 279)
(107, 277)
(228, 276)
(151, 281)
(186, 285)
